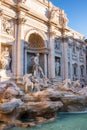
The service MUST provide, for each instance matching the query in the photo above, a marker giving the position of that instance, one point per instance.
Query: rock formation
(27, 108)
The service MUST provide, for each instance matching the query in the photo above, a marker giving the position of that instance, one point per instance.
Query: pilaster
(20, 44)
(0, 29)
(65, 59)
(1, 14)
(14, 52)
(85, 74)
(45, 64)
(52, 56)
(79, 71)
(71, 68)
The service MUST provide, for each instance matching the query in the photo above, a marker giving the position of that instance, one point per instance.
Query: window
(82, 70)
(69, 69)
(57, 44)
(75, 69)
(73, 49)
(81, 51)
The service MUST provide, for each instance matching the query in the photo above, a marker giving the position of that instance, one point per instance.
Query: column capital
(52, 33)
(1, 12)
(20, 20)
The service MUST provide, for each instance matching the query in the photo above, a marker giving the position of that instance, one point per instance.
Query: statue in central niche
(37, 70)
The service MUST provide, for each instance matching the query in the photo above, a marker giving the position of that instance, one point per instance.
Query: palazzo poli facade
(28, 27)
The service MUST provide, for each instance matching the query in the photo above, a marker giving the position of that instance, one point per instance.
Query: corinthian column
(52, 57)
(1, 14)
(45, 64)
(0, 35)
(65, 59)
(20, 43)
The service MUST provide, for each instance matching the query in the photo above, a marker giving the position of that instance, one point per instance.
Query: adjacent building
(28, 27)
(86, 55)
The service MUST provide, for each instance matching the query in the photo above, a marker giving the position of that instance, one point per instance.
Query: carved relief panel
(57, 44)
(7, 26)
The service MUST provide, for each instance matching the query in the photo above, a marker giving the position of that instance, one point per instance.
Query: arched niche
(38, 34)
(35, 44)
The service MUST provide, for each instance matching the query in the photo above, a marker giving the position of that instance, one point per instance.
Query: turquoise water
(64, 121)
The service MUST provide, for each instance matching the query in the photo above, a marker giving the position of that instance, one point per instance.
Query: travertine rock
(74, 103)
(27, 109)
(8, 107)
(83, 91)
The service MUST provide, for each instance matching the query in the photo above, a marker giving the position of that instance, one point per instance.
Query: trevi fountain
(42, 68)
(35, 102)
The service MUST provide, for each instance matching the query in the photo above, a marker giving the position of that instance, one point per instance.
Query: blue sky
(76, 11)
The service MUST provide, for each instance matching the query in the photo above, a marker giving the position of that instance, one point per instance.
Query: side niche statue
(37, 70)
(5, 59)
(57, 67)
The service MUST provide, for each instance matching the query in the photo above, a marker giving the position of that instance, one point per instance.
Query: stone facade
(37, 26)
(86, 55)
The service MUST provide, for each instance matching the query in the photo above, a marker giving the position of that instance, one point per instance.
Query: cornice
(43, 3)
(7, 3)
